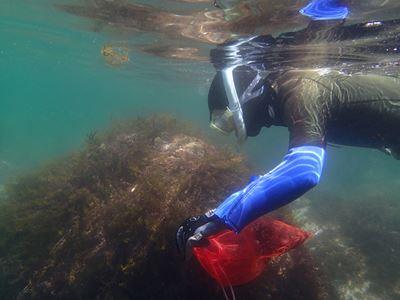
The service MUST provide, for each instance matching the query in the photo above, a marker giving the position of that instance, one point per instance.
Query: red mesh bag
(235, 259)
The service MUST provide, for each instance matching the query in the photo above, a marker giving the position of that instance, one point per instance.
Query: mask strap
(249, 92)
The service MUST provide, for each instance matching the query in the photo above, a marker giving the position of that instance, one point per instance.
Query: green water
(56, 88)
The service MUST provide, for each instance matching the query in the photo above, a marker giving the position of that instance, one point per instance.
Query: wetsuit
(318, 107)
(322, 106)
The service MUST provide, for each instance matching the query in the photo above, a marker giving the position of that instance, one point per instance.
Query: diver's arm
(299, 172)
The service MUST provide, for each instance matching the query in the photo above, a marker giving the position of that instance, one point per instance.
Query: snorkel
(233, 99)
(234, 104)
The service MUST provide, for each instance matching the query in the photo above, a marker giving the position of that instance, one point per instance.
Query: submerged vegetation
(115, 55)
(358, 244)
(100, 222)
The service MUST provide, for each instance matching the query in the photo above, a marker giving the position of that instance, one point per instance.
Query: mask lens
(222, 120)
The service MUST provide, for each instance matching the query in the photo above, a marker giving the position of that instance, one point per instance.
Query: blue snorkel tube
(325, 10)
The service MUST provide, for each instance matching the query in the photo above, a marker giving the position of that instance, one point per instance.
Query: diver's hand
(193, 231)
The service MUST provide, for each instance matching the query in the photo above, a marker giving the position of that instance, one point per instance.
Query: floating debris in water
(115, 55)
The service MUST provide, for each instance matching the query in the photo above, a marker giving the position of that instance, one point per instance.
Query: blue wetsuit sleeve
(300, 171)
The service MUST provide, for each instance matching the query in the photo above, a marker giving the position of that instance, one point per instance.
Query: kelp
(100, 222)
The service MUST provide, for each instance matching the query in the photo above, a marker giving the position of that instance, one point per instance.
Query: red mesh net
(235, 259)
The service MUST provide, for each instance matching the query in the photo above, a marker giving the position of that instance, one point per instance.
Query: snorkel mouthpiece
(222, 121)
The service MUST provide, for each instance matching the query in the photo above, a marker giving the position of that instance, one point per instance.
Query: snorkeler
(318, 106)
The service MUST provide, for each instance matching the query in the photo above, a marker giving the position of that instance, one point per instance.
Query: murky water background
(69, 68)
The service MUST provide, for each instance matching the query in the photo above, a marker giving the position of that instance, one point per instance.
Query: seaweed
(358, 244)
(100, 222)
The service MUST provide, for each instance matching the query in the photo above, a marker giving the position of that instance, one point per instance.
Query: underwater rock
(101, 222)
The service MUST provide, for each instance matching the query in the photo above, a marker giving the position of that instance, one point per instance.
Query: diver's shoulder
(297, 78)
(300, 74)
(307, 78)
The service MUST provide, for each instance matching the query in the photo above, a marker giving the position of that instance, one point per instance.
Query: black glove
(193, 230)
(216, 4)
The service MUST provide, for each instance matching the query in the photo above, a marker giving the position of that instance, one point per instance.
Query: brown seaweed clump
(100, 223)
(115, 55)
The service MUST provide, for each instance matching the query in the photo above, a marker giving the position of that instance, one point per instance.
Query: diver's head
(254, 95)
